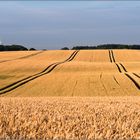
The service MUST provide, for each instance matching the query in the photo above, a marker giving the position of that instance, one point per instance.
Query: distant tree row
(107, 46)
(104, 46)
(65, 48)
(14, 48)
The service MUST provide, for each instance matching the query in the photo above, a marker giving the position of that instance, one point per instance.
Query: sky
(57, 24)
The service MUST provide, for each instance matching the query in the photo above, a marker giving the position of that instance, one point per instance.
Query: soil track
(110, 56)
(113, 58)
(32, 77)
(133, 80)
(136, 75)
(122, 69)
(130, 77)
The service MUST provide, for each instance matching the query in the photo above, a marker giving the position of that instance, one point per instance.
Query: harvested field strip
(32, 77)
(23, 57)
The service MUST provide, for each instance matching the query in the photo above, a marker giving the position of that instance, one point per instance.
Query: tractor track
(110, 56)
(116, 80)
(24, 57)
(121, 68)
(130, 77)
(50, 68)
(133, 80)
(136, 75)
(74, 88)
(101, 75)
(112, 59)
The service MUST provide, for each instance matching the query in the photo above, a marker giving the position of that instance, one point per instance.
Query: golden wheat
(9, 55)
(112, 77)
(127, 55)
(13, 71)
(90, 73)
(93, 56)
(70, 118)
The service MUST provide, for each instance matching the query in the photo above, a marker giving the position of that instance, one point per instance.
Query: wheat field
(70, 118)
(89, 73)
(12, 55)
(18, 69)
(86, 94)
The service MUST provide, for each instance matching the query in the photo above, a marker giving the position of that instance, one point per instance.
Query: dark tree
(107, 46)
(32, 49)
(12, 48)
(65, 48)
(1, 48)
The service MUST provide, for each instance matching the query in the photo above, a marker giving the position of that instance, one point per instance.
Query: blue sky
(57, 24)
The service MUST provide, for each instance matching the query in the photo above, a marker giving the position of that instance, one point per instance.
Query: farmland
(72, 73)
(86, 94)
(70, 118)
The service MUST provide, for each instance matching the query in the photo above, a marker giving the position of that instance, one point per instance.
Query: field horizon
(72, 95)
(70, 73)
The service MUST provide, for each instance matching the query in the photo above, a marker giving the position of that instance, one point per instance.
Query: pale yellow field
(72, 95)
(11, 55)
(88, 74)
(127, 55)
(93, 56)
(15, 70)
(70, 118)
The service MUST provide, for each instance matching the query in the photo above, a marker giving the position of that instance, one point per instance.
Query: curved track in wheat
(91, 73)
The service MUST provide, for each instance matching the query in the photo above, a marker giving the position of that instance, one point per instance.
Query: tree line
(14, 48)
(104, 46)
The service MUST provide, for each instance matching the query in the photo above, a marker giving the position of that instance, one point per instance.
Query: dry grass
(70, 118)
